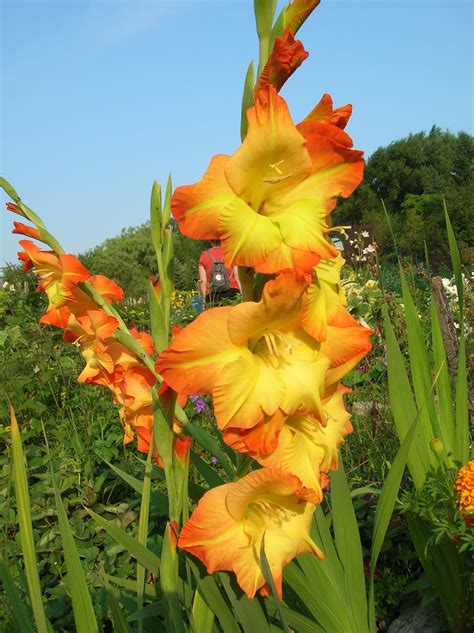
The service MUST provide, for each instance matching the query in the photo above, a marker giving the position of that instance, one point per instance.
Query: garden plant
(245, 517)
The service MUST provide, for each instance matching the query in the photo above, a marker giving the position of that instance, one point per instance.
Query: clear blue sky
(101, 97)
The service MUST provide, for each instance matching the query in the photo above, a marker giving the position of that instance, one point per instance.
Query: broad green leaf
(384, 511)
(420, 368)
(26, 528)
(348, 546)
(134, 548)
(247, 100)
(17, 607)
(248, 612)
(212, 594)
(297, 621)
(403, 407)
(203, 617)
(325, 605)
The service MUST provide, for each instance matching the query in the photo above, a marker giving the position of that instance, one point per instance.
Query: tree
(412, 176)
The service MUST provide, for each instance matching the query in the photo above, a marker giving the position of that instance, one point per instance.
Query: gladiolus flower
(24, 229)
(231, 523)
(257, 360)
(287, 55)
(269, 202)
(302, 445)
(324, 112)
(58, 274)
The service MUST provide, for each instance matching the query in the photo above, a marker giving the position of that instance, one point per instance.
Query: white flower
(365, 234)
(369, 249)
(5, 284)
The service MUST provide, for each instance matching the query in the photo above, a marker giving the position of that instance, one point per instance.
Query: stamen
(274, 181)
(275, 166)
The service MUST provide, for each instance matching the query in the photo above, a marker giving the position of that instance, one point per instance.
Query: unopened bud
(437, 445)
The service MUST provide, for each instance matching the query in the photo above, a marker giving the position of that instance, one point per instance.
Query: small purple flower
(199, 405)
(214, 460)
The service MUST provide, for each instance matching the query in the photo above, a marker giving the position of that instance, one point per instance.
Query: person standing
(216, 281)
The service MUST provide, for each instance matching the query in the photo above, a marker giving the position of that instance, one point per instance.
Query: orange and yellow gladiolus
(269, 202)
(301, 445)
(231, 523)
(258, 361)
(58, 274)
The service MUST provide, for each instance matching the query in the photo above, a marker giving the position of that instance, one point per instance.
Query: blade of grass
(348, 545)
(84, 616)
(26, 527)
(384, 511)
(455, 260)
(462, 413)
(403, 406)
(18, 609)
(118, 618)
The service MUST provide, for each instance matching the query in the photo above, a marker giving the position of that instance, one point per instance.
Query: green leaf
(403, 407)
(159, 501)
(264, 13)
(84, 616)
(267, 574)
(455, 260)
(156, 219)
(248, 612)
(443, 386)
(203, 617)
(247, 100)
(167, 203)
(26, 527)
(384, 510)
(134, 548)
(348, 546)
(17, 607)
(118, 618)
(420, 370)
(211, 593)
(462, 413)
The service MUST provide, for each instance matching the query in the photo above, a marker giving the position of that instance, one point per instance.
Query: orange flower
(464, 487)
(232, 522)
(287, 55)
(24, 229)
(258, 361)
(58, 274)
(302, 445)
(269, 202)
(324, 112)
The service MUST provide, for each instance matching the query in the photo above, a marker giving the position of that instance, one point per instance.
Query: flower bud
(437, 446)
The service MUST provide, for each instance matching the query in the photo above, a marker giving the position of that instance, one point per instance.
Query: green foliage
(129, 259)
(411, 176)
